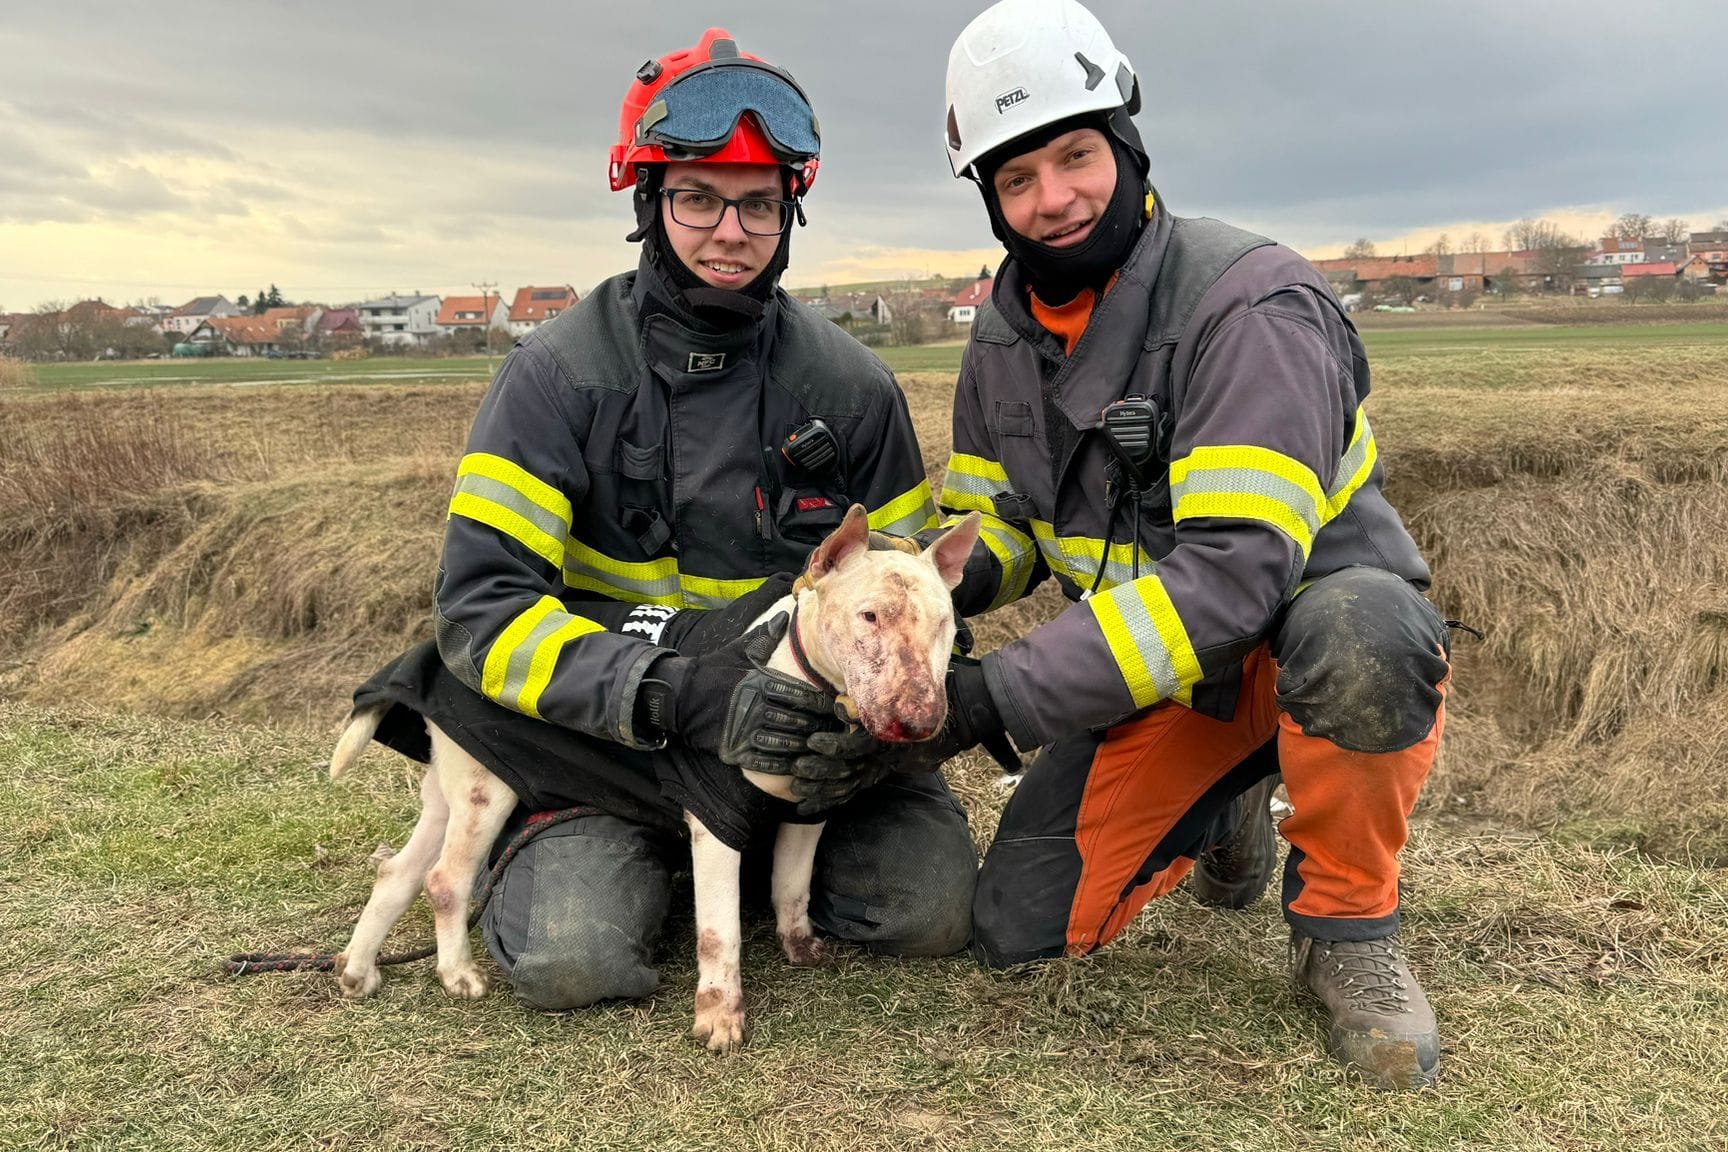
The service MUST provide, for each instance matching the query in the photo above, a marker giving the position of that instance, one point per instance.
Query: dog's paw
(357, 983)
(464, 981)
(804, 950)
(719, 1022)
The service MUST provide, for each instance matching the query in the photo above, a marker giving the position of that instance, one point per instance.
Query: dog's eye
(869, 617)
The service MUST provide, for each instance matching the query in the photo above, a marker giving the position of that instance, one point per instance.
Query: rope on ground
(251, 963)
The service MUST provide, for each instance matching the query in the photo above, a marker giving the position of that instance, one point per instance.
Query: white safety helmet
(1024, 64)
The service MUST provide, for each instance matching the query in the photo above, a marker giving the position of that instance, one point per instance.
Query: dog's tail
(362, 723)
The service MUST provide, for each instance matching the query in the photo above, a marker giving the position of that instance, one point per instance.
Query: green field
(226, 370)
(1386, 346)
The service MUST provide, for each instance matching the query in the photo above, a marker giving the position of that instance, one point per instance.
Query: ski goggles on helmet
(696, 114)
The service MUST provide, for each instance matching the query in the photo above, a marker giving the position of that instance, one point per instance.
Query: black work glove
(694, 631)
(727, 704)
(842, 763)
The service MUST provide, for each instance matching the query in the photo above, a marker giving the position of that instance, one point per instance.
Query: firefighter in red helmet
(623, 512)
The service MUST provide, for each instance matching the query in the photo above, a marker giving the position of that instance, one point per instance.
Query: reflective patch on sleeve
(912, 511)
(520, 664)
(503, 495)
(1148, 641)
(1248, 482)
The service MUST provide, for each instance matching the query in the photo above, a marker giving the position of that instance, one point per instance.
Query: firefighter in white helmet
(1166, 416)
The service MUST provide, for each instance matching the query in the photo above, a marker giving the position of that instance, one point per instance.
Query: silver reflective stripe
(1231, 481)
(522, 656)
(1353, 456)
(916, 520)
(1148, 642)
(505, 496)
(970, 485)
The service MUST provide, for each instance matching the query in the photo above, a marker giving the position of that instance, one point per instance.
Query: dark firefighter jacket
(1266, 475)
(626, 455)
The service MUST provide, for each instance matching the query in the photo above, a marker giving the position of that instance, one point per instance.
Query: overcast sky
(344, 150)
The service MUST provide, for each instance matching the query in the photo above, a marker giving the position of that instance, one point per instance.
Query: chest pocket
(642, 491)
(806, 515)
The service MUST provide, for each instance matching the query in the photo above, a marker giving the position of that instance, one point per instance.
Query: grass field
(1385, 344)
(207, 570)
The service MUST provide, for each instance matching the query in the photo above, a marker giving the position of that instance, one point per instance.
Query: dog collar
(802, 659)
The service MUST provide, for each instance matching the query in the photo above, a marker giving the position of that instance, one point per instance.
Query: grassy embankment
(212, 557)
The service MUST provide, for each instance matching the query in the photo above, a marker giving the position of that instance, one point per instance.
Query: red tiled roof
(974, 294)
(481, 306)
(246, 329)
(336, 319)
(533, 304)
(1664, 268)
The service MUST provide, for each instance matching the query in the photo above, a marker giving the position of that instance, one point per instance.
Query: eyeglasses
(758, 216)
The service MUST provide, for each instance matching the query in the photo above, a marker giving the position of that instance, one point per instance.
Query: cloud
(380, 148)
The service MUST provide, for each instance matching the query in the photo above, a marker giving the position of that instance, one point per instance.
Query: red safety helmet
(713, 104)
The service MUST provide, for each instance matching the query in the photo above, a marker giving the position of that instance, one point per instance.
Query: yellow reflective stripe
(1250, 457)
(503, 495)
(911, 511)
(1014, 551)
(977, 466)
(1148, 640)
(545, 659)
(1078, 557)
(495, 675)
(1248, 506)
(705, 592)
(967, 502)
(1248, 482)
(513, 524)
(1358, 462)
(513, 475)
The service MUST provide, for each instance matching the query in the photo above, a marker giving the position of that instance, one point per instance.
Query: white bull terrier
(875, 625)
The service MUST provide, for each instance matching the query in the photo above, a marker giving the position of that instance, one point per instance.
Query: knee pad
(1361, 655)
(575, 977)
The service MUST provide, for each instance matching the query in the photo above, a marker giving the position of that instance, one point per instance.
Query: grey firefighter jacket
(627, 455)
(1266, 475)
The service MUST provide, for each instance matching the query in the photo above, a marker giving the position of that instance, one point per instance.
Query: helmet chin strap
(722, 307)
(1058, 275)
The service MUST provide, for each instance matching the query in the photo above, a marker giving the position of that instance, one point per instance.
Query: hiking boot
(1382, 1025)
(1234, 872)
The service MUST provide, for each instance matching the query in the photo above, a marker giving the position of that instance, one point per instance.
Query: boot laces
(1368, 972)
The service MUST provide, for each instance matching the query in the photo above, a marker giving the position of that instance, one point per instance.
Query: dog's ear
(851, 538)
(953, 548)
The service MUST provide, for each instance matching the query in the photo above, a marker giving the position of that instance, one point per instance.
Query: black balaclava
(1057, 275)
(720, 307)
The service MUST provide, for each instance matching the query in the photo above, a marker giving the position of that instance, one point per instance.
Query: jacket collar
(688, 349)
(1104, 359)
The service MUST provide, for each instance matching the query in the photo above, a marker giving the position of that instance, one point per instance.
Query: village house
(854, 309)
(249, 335)
(472, 314)
(400, 320)
(339, 328)
(1440, 278)
(964, 307)
(189, 315)
(533, 306)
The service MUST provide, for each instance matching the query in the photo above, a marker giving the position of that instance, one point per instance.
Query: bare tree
(1442, 246)
(1632, 226)
(1362, 249)
(1476, 242)
(1529, 235)
(1673, 230)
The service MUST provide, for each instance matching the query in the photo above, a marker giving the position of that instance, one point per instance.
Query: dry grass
(276, 543)
(16, 373)
(1580, 993)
